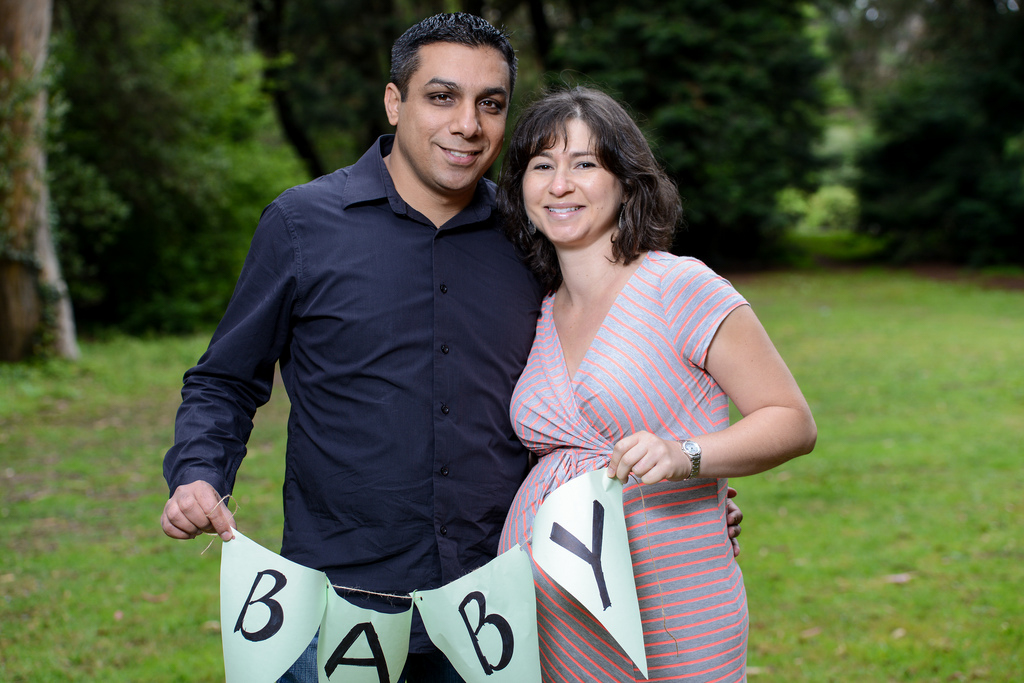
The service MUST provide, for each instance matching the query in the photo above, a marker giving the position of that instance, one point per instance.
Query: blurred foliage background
(889, 127)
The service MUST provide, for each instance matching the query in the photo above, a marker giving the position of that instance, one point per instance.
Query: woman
(636, 356)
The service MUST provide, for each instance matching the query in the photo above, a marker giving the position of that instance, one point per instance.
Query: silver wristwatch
(692, 450)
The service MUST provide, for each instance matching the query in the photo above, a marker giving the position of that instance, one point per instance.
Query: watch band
(693, 452)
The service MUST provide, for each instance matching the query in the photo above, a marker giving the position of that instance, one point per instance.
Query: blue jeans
(304, 670)
(431, 667)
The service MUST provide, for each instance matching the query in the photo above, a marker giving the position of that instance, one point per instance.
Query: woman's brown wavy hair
(651, 206)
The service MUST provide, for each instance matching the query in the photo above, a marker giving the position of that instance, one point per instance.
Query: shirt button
(444, 530)
(444, 471)
(444, 289)
(444, 409)
(444, 348)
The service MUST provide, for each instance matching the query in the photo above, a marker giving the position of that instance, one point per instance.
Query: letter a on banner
(486, 622)
(270, 608)
(360, 645)
(580, 541)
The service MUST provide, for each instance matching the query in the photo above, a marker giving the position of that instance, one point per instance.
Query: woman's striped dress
(642, 372)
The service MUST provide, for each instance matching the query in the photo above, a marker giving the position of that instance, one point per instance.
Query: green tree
(944, 88)
(328, 63)
(164, 158)
(730, 96)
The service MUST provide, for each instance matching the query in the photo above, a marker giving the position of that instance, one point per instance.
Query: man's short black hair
(460, 28)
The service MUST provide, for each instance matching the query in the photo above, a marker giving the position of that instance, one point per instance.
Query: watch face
(690, 448)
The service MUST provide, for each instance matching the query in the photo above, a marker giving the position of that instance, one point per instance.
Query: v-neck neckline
(604, 321)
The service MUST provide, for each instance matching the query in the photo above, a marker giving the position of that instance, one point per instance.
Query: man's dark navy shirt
(399, 346)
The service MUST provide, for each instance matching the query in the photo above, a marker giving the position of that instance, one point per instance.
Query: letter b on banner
(276, 619)
(495, 620)
(486, 622)
(270, 609)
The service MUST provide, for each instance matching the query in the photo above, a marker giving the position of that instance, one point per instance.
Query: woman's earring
(530, 227)
(622, 220)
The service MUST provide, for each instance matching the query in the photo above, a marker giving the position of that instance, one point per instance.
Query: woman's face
(571, 198)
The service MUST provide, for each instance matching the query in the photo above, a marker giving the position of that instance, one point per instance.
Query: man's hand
(733, 517)
(195, 509)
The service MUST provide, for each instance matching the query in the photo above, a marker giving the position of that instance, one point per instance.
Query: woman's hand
(650, 458)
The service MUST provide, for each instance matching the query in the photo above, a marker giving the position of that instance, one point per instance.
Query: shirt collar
(369, 181)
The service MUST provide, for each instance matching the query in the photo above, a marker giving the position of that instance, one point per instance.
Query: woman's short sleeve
(696, 301)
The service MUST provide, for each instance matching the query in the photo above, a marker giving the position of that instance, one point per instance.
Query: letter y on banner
(486, 622)
(270, 608)
(579, 539)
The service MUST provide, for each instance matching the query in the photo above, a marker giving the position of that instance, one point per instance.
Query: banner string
(393, 596)
(657, 573)
(210, 512)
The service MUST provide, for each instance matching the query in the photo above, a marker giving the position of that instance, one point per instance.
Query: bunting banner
(484, 622)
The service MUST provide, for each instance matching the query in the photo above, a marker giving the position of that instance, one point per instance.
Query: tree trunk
(541, 31)
(31, 286)
(19, 309)
(269, 24)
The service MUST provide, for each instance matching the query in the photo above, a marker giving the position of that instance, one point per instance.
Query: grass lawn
(892, 553)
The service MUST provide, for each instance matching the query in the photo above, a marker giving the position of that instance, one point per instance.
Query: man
(401, 319)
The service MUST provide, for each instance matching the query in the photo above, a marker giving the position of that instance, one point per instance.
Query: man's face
(450, 128)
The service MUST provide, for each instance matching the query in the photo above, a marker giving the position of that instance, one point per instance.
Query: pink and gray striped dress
(642, 372)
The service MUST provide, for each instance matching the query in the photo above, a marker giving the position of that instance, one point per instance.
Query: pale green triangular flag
(579, 539)
(486, 622)
(360, 645)
(270, 609)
